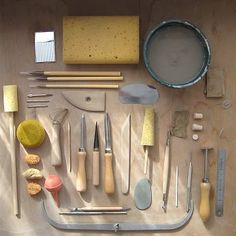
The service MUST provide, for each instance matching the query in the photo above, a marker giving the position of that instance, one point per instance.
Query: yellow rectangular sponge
(148, 127)
(101, 39)
(10, 101)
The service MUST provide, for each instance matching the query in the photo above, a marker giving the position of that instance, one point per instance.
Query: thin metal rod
(177, 186)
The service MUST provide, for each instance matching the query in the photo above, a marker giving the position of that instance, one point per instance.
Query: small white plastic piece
(195, 137)
(197, 116)
(196, 127)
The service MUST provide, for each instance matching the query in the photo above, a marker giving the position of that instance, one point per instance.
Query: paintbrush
(78, 78)
(81, 86)
(72, 73)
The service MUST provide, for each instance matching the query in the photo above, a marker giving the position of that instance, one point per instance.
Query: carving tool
(166, 172)
(148, 133)
(10, 103)
(189, 185)
(125, 155)
(96, 159)
(177, 186)
(57, 118)
(219, 205)
(33, 95)
(79, 78)
(72, 73)
(80, 86)
(115, 227)
(93, 213)
(109, 184)
(69, 167)
(81, 184)
(204, 210)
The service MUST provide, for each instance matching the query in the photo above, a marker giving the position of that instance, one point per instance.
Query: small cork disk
(195, 137)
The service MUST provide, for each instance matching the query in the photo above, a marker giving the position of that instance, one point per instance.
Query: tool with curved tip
(138, 94)
(57, 118)
(81, 183)
(117, 227)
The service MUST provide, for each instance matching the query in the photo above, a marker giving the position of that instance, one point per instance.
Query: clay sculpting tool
(72, 73)
(138, 94)
(93, 213)
(79, 78)
(177, 186)
(96, 158)
(219, 204)
(204, 210)
(148, 133)
(57, 118)
(37, 106)
(166, 172)
(109, 182)
(100, 208)
(125, 154)
(36, 101)
(93, 101)
(79, 86)
(119, 226)
(10, 103)
(189, 185)
(33, 95)
(69, 161)
(81, 183)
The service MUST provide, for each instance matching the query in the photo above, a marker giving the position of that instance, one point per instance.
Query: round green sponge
(30, 133)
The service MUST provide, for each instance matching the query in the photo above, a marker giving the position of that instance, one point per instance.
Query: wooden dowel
(85, 78)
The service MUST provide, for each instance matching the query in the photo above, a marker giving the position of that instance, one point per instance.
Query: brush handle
(109, 184)
(82, 73)
(13, 164)
(146, 159)
(85, 78)
(56, 159)
(81, 86)
(96, 168)
(81, 185)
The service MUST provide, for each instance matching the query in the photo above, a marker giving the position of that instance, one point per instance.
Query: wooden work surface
(18, 22)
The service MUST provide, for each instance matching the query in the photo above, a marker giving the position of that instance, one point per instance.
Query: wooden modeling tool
(79, 86)
(10, 103)
(148, 133)
(96, 158)
(79, 78)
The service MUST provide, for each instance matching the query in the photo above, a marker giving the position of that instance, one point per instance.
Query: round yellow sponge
(30, 133)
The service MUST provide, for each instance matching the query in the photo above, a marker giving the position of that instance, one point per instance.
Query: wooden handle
(81, 184)
(109, 184)
(166, 169)
(96, 168)
(146, 160)
(56, 159)
(13, 165)
(86, 78)
(82, 86)
(82, 73)
(204, 210)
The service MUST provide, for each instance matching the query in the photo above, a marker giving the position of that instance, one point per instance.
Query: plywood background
(20, 19)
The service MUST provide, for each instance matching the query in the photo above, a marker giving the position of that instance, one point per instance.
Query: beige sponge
(101, 39)
(10, 100)
(148, 127)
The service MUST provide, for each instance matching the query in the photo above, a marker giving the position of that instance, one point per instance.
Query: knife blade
(109, 184)
(96, 158)
(81, 184)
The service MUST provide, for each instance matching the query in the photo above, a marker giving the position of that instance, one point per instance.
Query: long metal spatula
(138, 93)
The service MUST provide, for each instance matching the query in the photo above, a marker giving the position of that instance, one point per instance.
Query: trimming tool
(116, 227)
(204, 210)
(57, 118)
(96, 158)
(219, 205)
(109, 182)
(177, 186)
(166, 172)
(10, 102)
(189, 185)
(81, 183)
